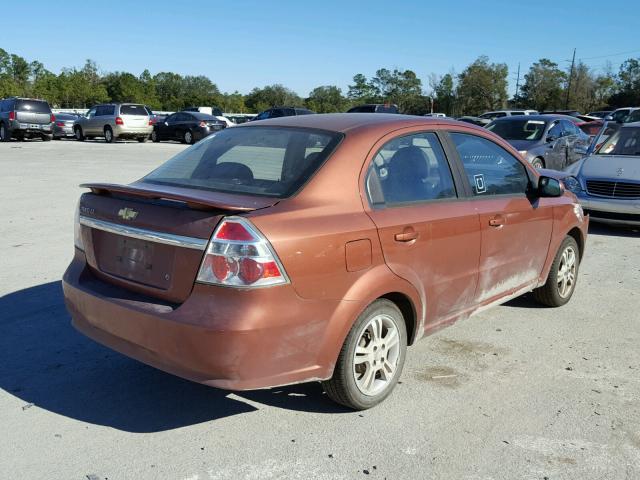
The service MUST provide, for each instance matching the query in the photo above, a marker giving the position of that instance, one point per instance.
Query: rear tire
(561, 282)
(79, 134)
(5, 135)
(371, 359)
(537, 163)
(188, 137)
(108, 135)
(154, 137)
(142, 139)
(47, 138)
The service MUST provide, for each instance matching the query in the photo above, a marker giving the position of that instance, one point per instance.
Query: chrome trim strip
(143, 234)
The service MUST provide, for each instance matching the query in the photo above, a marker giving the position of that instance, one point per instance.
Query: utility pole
(573, 61)
(518, 87)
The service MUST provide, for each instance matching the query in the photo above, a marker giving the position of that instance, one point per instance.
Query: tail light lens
(203, 124)
(119, 121)
(60, 124)
(238, 255)
(12, 116)
(152, 121)
(52, 118)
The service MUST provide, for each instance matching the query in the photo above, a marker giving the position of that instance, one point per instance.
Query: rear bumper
(123, 132)
(221, 337)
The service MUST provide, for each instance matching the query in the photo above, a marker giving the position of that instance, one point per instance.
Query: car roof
(547, 117)
(200, 115)
(346, 122)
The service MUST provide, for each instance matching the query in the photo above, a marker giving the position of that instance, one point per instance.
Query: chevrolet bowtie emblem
(127, 213)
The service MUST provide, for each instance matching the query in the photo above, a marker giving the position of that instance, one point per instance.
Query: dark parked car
(63, 125)
(481, 122)
(374, 108)
(187, 127)
(277, 112)
(316, 248)
(22, 118)
(546, 141)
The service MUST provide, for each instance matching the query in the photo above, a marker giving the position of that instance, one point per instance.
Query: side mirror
(608, 118)
(551, 138)
(549, 187)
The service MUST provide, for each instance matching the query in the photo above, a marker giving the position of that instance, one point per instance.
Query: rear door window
(133, 110)
(410, 169)
(490, 169)
(33, 106)
(249, 160)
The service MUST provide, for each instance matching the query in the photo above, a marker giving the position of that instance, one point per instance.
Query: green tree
(444, 94)
(482, 86)
(199, 91)
(169, 90)
(270, 96)
(627, 84)
(363, 91)
(326, 99)
(233, 103)
(543, 87)
(8, 86)
(403, 88)
(123, 87)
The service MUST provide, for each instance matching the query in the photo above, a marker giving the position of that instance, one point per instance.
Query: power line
(609, 55)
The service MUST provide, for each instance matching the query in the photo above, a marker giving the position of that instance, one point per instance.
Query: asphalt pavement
(517, 392)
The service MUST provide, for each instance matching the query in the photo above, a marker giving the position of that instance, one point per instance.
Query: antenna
(518, 87)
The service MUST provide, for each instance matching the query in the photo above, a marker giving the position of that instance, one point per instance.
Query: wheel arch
(577, 235)
(408, 310)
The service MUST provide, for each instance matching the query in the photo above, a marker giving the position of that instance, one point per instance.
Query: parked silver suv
(115, 120)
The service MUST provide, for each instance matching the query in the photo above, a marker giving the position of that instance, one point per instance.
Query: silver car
(115, 120)
(607, 180)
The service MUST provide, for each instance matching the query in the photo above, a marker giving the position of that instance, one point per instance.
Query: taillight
(240, 256)
(60, 124)
(119, 121)
(52, 118)
(12, 116)
(203, 124)
(152, 121)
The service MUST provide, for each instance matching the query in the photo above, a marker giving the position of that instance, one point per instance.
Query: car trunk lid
(151, 238)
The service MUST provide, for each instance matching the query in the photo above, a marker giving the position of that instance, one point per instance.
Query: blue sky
(302, 44)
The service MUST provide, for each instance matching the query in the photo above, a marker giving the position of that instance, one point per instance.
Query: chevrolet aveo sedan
(317, 248)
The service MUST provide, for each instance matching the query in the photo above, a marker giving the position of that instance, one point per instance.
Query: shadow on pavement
(613, 231)
(45, 362)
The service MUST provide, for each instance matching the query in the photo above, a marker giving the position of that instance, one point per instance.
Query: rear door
(33, 112)
(429, 236)
(555, 155)
(515, 229)
(134, 116)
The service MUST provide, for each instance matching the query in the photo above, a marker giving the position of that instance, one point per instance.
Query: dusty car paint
(339, 255)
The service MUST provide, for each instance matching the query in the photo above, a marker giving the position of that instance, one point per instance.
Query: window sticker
(481, 187)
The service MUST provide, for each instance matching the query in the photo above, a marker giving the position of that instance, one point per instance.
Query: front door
(429, 236)
(515, 227)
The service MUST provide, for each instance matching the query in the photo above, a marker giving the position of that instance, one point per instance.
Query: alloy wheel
(567, 272)
(376, 356)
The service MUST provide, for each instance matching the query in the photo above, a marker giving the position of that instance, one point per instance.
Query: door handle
(407, 235)
(497, 221)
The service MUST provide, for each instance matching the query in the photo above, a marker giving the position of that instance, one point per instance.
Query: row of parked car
(23, 118)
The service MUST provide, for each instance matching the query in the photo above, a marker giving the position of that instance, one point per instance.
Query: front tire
(371, 359)
(561, 282)
(108, 135)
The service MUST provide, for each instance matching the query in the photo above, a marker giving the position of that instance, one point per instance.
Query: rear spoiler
(196, 199)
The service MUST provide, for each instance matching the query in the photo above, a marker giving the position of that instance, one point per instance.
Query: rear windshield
(133, 110)
(270, 161)
(519, 129)
(35, 106)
